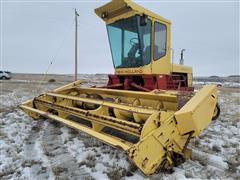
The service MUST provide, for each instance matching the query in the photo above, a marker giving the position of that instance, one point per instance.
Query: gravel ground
(45, 149)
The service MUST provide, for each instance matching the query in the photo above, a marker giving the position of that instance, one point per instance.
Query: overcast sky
(32, 34)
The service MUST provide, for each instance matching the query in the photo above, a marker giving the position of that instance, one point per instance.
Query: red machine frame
(144, 82)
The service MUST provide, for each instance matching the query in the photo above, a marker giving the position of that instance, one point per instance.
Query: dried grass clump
(58, 170)
(51, 80)
(117, 173)
(216, 148)
(234, 162)
(91, 161)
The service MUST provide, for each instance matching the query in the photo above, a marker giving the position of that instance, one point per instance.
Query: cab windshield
(130, 42)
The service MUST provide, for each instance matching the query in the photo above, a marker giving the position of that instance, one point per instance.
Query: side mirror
(143, 20)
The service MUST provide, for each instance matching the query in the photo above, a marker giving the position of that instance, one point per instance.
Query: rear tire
(216, 112)
(4, 77)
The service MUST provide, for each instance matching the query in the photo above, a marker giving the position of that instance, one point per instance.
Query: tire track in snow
(35, 164)
(63, 165)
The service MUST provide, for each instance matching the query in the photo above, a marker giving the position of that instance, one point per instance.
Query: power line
(57, 52)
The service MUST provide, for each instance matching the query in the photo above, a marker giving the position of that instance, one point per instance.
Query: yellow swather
(153, 127)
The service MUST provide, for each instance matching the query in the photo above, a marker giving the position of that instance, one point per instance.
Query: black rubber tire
(216, 112)
(4, 77)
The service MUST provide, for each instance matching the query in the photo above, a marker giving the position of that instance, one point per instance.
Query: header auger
(148, 108)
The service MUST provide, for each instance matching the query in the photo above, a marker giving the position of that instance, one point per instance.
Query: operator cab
(140, 46)
(130, 41)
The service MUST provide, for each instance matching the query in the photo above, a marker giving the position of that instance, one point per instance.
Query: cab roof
(118, 9)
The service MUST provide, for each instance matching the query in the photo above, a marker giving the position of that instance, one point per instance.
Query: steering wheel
(134, 41)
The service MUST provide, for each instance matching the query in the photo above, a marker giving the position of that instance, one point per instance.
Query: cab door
(161, 47)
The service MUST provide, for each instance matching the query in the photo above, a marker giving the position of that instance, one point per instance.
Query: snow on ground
(219, 84)
(45, 149)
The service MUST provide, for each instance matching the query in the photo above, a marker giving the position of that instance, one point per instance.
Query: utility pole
(76, 43)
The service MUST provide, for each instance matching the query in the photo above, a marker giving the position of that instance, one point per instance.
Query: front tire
(216, 112)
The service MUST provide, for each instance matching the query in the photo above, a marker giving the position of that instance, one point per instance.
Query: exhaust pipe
(182, 60)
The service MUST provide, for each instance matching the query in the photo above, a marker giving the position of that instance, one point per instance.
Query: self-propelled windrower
(148, 107)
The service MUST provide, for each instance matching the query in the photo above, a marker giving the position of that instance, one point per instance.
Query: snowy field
(45, 149)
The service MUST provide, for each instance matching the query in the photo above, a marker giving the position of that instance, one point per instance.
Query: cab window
(130, 42)
(160, 40)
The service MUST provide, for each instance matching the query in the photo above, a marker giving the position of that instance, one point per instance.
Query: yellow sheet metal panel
(159, 140)
(190, 79)
(116, 8)
(197, 113)
(147, 154)
(182, 68)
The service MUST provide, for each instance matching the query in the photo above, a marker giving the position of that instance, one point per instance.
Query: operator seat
(147, 54)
